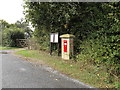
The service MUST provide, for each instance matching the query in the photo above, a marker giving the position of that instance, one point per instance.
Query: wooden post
(50, 48)
(58, 45)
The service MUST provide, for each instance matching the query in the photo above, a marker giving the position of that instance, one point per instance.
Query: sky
(11, 10)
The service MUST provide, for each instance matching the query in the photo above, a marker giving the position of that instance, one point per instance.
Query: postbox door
(65, 45)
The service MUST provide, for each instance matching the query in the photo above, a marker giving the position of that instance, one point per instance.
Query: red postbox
(65, 45)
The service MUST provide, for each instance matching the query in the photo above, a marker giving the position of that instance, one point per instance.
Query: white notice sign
(54, 37)
(51, 37)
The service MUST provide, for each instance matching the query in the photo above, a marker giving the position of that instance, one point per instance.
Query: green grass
(6, 48)
(82, 71)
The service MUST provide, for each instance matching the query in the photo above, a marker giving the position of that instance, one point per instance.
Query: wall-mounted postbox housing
(67, 46)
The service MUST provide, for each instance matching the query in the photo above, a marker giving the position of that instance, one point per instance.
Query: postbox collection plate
(65, 45)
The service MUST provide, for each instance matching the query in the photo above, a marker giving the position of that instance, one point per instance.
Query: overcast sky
(11, 10)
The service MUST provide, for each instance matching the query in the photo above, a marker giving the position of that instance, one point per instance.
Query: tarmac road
(18, 73)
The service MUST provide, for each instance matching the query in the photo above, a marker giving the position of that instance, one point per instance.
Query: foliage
(103, 48)
(7, 48)
(82, 71)
(42, 43)
(10, 35)
(117, 84)
(95, 25)
(3, 25)
(25, 26)
(80, 19)
(11, 32)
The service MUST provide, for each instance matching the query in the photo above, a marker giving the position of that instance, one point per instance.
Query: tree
(95, 25)
(11, 32)
(10, 36)
(3, 25)
(25, 27)
(80, 19)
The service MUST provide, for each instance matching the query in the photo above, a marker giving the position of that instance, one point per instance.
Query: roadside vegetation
(96, 27)
(7, 48)
(11, 32)
(83, 71)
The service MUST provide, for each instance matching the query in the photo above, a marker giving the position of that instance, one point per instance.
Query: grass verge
(82, 71)
(6, 48)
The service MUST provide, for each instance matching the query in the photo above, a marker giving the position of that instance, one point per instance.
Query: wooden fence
(22, 42)
(26, 43)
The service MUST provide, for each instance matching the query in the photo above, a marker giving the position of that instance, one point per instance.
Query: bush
(102, 48)
(117, 84)
(40, 40)
(10, 35)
